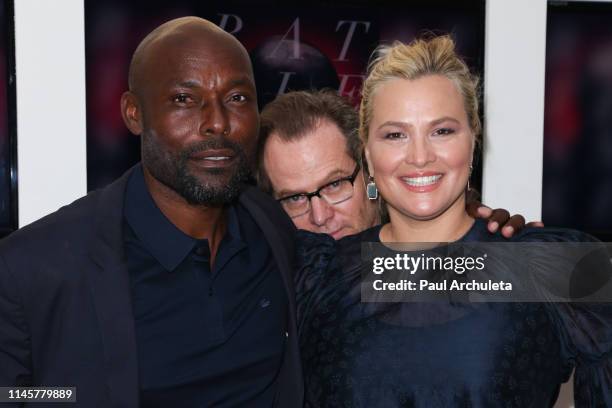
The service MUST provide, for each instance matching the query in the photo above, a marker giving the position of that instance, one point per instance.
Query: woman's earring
(371, 189)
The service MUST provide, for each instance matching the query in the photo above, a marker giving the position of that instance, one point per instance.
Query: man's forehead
(198, 48)
(319, 146)
(190, 46)
(190, 70)
(306, 163)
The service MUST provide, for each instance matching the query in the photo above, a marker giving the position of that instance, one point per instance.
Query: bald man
(172, 286)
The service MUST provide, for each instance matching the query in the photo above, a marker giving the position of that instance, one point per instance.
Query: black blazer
(65, 309)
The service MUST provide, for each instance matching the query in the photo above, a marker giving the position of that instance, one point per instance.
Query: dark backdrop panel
(8, 165)
(292, 46)
(577, 185)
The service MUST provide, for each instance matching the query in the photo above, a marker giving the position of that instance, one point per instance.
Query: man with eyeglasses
(334, 192)
(309, 160)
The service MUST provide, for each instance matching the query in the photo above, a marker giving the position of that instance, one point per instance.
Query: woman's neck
(449, 226)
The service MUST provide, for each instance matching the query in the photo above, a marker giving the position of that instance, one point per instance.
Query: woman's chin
(425, 213)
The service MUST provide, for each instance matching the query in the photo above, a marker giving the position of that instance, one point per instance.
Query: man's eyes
(296, 198)
(238, 98)
(334, 185)
(185, 98)
(182, 98)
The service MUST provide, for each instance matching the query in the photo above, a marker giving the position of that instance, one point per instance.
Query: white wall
(50, 71)
(515, 52)
(515, 57)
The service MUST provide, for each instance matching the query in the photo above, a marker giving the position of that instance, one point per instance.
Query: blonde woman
(420, 127)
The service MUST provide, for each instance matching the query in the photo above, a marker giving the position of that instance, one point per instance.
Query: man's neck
(197, 221)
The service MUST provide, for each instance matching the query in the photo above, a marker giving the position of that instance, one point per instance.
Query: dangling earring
(469, 175)
(371, 189)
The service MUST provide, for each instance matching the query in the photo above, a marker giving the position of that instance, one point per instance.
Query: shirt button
(286, 334)
(201, 251)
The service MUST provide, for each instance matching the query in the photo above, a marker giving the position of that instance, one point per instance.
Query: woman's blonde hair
(435, 56)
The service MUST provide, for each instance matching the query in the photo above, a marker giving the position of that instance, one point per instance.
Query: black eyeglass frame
(317, 192)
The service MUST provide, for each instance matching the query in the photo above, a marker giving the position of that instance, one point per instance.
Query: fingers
(472, 208)
(514, 225)
(535, 224)
(476, 209)
(484, 211)
(498, 217)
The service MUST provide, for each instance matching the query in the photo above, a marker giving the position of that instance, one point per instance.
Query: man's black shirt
(205, 337)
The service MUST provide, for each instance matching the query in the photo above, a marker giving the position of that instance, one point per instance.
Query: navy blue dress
(444, 355)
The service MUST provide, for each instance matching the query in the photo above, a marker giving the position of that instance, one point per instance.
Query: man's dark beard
(173, 171)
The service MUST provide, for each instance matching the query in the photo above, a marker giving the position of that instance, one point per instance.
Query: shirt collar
(233, 233)
(164, 241)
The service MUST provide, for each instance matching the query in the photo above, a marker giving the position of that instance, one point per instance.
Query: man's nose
(214, 119)
(320, 211)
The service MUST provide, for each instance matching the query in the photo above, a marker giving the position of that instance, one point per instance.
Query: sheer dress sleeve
(314, 264)
(585, 327)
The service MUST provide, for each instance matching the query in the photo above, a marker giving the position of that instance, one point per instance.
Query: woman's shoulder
(552, 234)
(321, 262)
(369, 235)
(480, 233)
(309, 241)
(314, 251)
(320, 249)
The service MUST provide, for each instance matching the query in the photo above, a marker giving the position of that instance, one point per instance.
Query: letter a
(295, 27)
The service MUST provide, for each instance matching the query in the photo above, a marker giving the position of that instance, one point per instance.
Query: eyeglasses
(333, 192)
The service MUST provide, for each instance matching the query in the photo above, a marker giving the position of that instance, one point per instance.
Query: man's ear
(131, 112)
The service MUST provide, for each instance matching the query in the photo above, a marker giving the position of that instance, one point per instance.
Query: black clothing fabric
(446, 354)
(66, 310)
(205, 336)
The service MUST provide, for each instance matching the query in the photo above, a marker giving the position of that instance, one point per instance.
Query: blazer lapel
(279, 231)
(110, 288)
